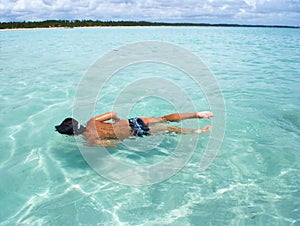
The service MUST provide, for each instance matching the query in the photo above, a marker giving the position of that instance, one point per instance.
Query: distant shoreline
(53, 24)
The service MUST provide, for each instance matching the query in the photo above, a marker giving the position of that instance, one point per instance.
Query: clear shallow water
(253, 181)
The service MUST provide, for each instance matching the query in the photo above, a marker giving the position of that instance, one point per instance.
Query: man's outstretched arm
(106, 116)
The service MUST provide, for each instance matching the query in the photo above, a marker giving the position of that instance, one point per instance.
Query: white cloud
(212, 11)
(251, 3)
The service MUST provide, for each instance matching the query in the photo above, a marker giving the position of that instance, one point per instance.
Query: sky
(262, 12)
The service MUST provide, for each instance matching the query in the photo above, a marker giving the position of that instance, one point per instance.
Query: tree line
(94, 23)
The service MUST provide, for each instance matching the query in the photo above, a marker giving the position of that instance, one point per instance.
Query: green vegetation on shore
(94, 23)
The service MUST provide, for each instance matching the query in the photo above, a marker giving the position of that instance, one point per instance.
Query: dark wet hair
(70, 126)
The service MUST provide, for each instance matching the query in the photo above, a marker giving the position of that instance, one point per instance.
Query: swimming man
(99, 131)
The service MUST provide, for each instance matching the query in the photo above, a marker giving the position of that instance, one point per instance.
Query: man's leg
(178, 130)
(177, 117)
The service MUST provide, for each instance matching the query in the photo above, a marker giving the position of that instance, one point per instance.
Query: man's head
(70, 127)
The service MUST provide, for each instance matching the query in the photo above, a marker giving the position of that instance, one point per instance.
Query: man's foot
(204, 130)
(205, 114)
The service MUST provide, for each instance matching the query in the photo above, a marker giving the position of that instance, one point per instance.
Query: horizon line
(137, 23)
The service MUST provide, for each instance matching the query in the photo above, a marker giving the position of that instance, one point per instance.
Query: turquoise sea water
(253, 181)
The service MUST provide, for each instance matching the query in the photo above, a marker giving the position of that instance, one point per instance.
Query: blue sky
(271, 12)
